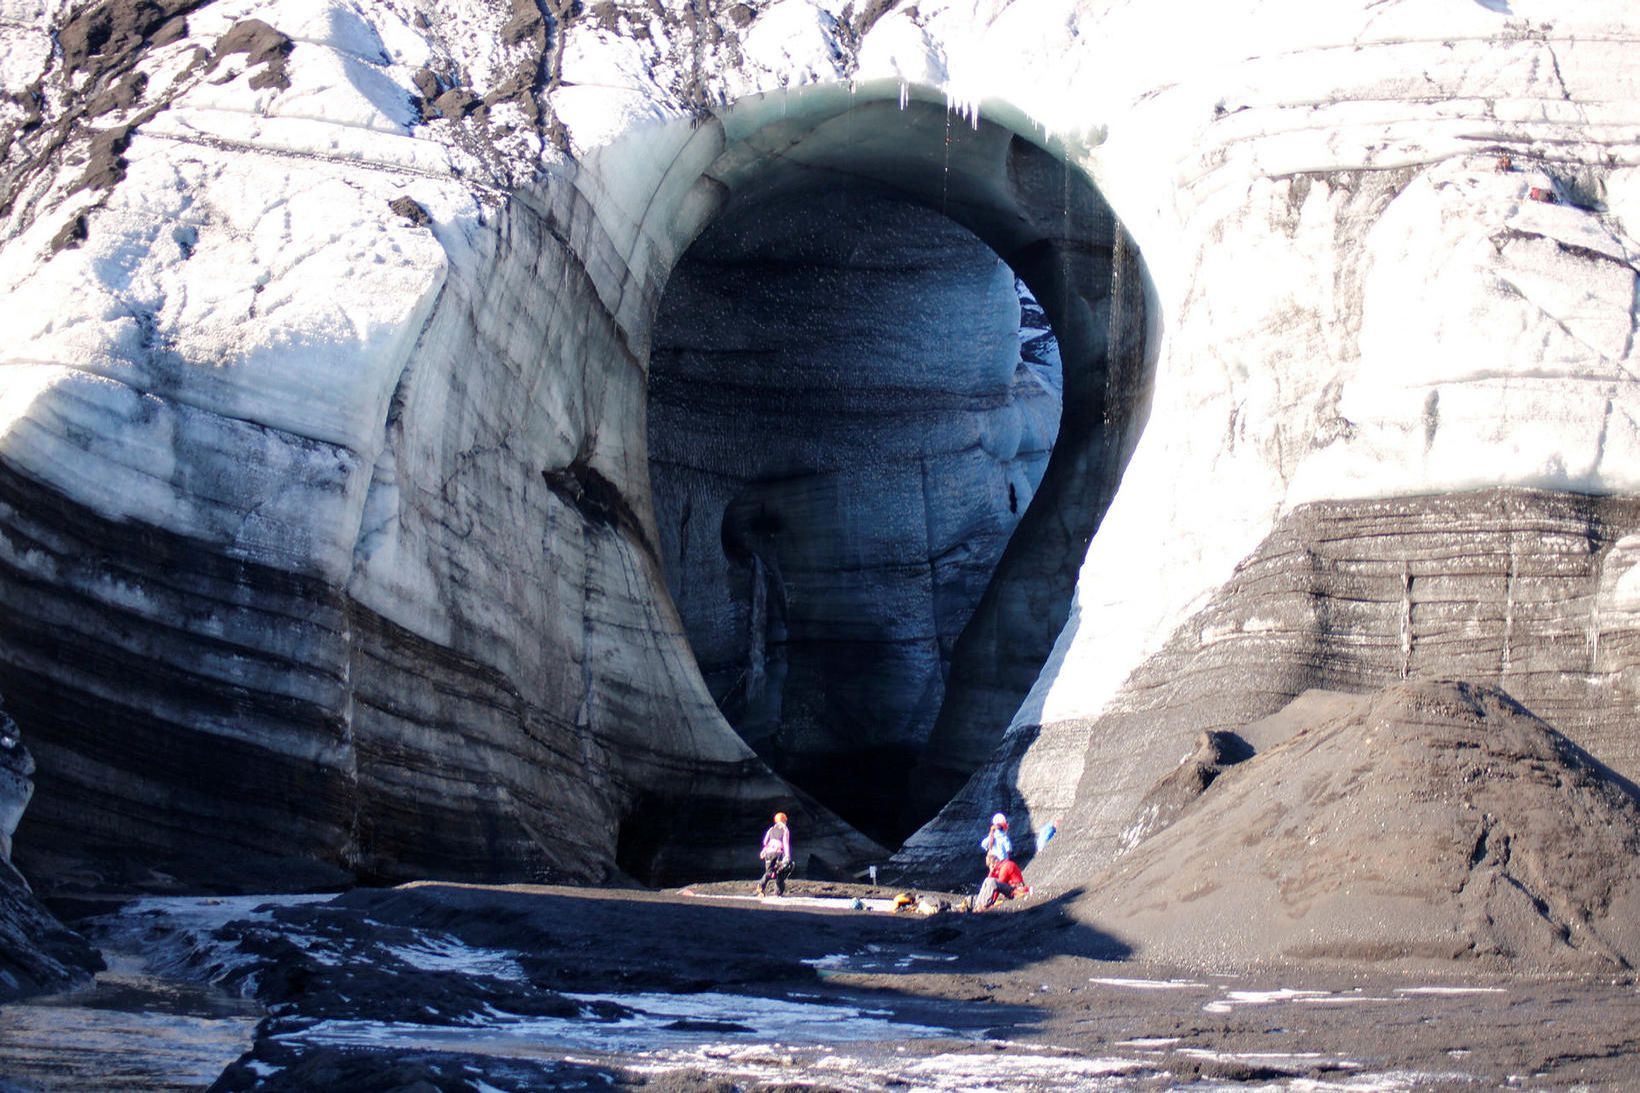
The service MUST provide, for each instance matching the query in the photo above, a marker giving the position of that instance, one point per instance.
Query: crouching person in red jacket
(1003, 878)
(1004, 881)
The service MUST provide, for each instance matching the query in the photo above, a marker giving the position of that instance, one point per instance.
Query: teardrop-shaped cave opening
(852, 401)
(849, 411)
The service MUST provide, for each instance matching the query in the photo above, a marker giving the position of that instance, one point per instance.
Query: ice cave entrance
(858, 375)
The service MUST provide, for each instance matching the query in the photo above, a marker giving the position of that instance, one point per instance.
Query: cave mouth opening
(852, 399)
(875, 459)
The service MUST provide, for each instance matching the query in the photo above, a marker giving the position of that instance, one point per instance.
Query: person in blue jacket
(999, 850)
(996, 844)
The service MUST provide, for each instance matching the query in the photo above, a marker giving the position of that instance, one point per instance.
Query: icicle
(1406, 619)
(905, 93)
(1594, 634)
(1508, 610)
(945, 179)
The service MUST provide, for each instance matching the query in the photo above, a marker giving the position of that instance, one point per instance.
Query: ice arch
(844, 688)
(284, 610)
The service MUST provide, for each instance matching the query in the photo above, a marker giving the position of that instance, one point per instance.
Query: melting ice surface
(876, 958)
(441, 953)
(192, 920)
(658, 1020)
(189, 922)
(210, 912)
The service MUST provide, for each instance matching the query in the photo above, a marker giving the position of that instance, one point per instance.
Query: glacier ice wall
(326, 545)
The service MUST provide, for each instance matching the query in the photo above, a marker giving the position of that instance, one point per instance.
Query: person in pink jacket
(777, 856)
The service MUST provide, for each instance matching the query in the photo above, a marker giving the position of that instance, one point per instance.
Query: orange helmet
(779, 817)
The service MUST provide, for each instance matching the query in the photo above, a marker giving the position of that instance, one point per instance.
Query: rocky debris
(27, 115)
(455, 103)
(100, 46)
(105, 156)
(411, 209)
(528, 69)
(1433, 822)
(126, 92)
(263, 47)
(112, 33)
(527, 25)
(426, 83)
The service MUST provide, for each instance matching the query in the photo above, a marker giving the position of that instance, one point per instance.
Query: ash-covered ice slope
(1527, 590)
(1427, 822)
(326, 542)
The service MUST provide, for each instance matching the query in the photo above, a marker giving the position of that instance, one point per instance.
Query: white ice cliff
(327, 541)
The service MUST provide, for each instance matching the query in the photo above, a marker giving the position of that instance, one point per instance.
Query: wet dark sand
(1020, 998)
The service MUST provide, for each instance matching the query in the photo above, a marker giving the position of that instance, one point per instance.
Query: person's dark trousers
(775, 871)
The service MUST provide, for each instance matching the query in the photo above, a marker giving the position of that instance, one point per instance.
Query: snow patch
(1236, 999)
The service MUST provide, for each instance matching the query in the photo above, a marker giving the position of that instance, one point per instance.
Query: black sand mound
(1431, 821)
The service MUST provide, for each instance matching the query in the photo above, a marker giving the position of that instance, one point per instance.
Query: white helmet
(999, 820)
